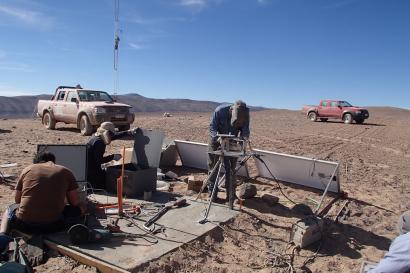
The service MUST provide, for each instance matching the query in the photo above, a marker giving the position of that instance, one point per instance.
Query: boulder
(247, 191)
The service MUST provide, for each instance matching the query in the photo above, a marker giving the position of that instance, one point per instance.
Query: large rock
(247, 191)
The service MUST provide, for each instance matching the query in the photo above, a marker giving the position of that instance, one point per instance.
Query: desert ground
(374, 171)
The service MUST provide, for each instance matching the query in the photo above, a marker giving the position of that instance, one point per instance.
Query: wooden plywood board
(181, 226)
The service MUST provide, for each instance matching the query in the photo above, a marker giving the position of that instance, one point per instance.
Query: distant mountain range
(25, 106)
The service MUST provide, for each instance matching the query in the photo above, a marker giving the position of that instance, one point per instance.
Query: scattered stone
(271, 200)
(302, 209)
(14, 127)
(247, 191)
(194, 185)
(190, 193)
(171, 175)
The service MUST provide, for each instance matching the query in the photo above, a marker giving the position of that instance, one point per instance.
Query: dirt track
(374, 170)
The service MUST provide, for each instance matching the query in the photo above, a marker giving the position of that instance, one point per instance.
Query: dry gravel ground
(374, 170)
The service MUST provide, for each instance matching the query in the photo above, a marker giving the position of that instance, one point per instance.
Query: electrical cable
(274, 178)
(3, 178)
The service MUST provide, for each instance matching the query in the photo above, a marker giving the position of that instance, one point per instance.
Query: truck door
(71, 107)
(324, 109)
(336, 109)
(58, 106)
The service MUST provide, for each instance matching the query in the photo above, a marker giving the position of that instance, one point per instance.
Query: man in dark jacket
(96, 149)
(230, 119)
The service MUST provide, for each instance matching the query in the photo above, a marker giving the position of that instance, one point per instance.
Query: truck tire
(312, 116)
(359, 121)
(48, 121)
(124, 127)
(347, 118)
(86, 128)
(323, 119)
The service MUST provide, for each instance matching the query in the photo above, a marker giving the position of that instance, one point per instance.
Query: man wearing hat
(96, 149)
(397, 260)
(227, 119)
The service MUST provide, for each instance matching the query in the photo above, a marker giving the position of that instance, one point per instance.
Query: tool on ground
(309, 229)
(227, 149)
(178, 203)
(81, 234)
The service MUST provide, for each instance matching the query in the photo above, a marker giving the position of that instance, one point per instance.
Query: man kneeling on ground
(40, 197)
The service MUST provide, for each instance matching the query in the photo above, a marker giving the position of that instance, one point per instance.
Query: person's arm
(213, 126)
(98, 152)
(17, 196)
(245, 131)
(73, 198)
(119, 135)
(397, 259)
(107, 158)
(19, 187)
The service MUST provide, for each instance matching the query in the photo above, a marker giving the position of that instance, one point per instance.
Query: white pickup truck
(85, 108)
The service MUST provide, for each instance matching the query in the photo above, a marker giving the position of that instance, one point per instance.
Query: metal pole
(214, 190)
(207, 179)
(326, 189)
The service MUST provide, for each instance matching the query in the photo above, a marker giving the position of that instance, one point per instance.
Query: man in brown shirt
(40, 196)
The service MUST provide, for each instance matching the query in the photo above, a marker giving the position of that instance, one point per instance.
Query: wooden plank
(102, 266)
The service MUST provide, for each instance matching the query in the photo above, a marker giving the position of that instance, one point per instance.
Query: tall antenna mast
(116, 44)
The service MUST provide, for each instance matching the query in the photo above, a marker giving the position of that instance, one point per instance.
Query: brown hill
(25, 106)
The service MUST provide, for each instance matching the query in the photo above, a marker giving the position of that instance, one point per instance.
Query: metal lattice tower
(116, 44)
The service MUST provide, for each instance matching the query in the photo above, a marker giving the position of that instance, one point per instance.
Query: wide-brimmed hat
(105, 126)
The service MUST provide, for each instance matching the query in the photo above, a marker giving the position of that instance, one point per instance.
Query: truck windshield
(88, 95)
(344, 104)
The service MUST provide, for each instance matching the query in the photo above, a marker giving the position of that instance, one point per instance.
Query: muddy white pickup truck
(85, 108)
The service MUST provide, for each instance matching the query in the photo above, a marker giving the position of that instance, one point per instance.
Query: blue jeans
(66, 219)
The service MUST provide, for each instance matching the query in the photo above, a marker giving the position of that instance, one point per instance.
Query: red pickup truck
(336, 109)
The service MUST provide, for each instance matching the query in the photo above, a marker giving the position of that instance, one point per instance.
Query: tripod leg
(206, 182)
(232, 182)
(214, 191)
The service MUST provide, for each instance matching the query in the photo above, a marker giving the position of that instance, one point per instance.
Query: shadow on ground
(68, 129)
(5, 131)
(356, 124)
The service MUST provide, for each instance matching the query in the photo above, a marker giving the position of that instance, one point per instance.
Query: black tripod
(219, 166)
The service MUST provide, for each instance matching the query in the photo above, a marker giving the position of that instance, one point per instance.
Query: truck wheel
(312, 116)
(48, 121)
(323, 119)
(124, 127)
(347, 118)
(359, 121)
(86, 128)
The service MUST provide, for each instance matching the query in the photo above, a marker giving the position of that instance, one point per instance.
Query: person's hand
(84, 208)
(135, 131)
(117, 157)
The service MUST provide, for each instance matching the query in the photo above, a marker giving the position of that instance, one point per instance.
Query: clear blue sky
(273, 53)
